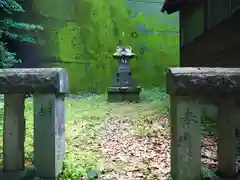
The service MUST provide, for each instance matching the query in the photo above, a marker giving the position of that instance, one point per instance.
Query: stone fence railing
(189, 88)
(48, 87)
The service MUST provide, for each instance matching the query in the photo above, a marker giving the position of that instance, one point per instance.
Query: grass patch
(155, 116)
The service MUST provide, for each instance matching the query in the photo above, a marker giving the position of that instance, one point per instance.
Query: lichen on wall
(86, 33)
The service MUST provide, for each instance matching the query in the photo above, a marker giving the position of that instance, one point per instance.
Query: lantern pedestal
(124, 87)
(130, 94)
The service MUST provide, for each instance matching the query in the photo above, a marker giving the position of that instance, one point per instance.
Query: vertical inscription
(49, 125)
(45, 109)
(185, 143)
(188, 118)
(189, 139)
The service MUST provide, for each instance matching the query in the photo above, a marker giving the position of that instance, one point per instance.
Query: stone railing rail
(189, 88)
(48, 87)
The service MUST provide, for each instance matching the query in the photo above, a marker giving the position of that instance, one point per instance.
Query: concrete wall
(83, 34)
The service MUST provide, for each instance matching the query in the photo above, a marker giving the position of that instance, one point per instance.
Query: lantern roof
(172, 6)
(123, 51)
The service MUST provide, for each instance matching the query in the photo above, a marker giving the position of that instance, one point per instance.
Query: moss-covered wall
(84, 34)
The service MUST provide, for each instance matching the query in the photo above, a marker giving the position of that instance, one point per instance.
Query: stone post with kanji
(190, 88)
(48, 86)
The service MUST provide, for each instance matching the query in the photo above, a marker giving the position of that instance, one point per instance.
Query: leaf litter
(135, 142)
(146, 157)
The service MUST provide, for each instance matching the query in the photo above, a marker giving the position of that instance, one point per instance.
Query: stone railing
(48, 87)
(189, 88)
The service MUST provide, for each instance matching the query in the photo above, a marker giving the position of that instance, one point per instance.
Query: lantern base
(119, 94)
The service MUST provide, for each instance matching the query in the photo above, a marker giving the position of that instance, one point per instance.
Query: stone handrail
(189, 88)
(48, 86)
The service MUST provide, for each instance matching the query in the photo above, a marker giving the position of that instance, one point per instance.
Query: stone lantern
(124, 87)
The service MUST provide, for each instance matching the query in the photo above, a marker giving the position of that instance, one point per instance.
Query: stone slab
(27, 173)
(120, 94)
(214, 82)
(36, 80)
(124, 89)
(18, 175)
(120, 97)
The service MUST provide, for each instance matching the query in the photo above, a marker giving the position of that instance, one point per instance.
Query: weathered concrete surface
(185, 118)
(42, 80)
(124, 89)
(119, 94)
(226, 128)
(16, 175)
(49, 134)
(214, 82)
(13, 132)
(27, 173)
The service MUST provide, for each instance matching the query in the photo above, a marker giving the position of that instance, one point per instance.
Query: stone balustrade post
(48, 85)
(226, 128)
(13, 132)
(188, 88)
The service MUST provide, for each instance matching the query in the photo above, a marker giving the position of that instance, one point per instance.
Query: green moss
(88, 32)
